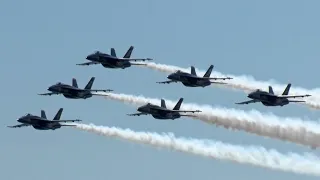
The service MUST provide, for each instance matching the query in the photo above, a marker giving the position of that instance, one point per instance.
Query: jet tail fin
(177, 106)
(208, 73)
(271, 90)
(74, 82)
(163, 103)
(193, 71)
(58, 115)
(113, 52)
(89, 85)
(286, 91)
(128, 53)
(43, 114)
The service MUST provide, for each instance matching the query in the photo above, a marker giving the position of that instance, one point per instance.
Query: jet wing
(214, 82)
(185, 111)
(293, 96)
(137, 114)
(19, 126)
(66, 121)
(48, 94)
(87, 63)
(137, 59)
(166, 82)
(217, 78)
(248, 102)
(101, 90)
(138, 64)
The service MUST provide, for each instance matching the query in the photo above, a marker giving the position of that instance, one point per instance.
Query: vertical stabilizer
(271, 90)
(193, 71)
(58, 115)
(163, 103)
(43, 114)
(74, 82)
(113, 52)
(128, 53)
(208, 73)
(286, 91)
(89, 85)
(177, 106)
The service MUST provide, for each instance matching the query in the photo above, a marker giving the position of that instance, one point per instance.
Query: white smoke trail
(247, 83)
(257, 156)
(288, 129)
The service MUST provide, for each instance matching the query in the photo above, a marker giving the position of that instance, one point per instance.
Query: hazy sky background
(41, 41)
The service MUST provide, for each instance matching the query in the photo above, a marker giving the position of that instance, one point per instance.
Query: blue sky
(41, 41)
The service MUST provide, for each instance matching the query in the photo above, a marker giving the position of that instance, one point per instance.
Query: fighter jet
(192, 80)
(112, 61)
(270, 99)
(162, 112)
(42, 123)
(73, 92)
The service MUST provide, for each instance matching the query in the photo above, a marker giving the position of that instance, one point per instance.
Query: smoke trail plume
(288, 129)
(246, 83)
(256, 156)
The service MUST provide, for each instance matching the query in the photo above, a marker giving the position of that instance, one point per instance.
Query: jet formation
(158, 112)
(42, 123)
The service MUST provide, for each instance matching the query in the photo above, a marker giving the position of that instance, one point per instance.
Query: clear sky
(41, 41)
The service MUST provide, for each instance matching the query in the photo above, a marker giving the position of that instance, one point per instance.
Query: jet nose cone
(250, 95)
(50, 88)
(20, 120)
(90, 57)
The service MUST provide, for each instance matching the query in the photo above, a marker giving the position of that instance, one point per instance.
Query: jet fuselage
(268, 99)
(159, 112)
(189, 80)
(108, 61)
(70, 91)
(39, 123)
